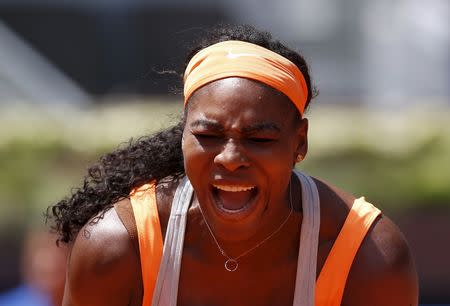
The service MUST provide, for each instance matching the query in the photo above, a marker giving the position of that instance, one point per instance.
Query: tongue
(234, 200)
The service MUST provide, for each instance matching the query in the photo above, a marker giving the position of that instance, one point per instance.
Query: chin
(235, 223)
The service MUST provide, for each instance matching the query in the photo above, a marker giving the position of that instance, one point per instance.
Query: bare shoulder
(165, 191)
(335, 205)
(383, 271)
(102, 261)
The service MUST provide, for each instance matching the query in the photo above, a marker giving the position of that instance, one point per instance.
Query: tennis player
(212, 211)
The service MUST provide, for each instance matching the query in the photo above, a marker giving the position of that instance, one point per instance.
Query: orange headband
(242, 59)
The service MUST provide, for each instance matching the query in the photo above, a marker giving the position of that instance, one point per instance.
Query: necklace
(232, 264)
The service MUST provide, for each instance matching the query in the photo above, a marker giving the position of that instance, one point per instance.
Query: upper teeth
(233, 188)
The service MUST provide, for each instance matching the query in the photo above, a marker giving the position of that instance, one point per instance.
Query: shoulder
(335, 205)
(165, 191)
(383, 271)
(102, 260)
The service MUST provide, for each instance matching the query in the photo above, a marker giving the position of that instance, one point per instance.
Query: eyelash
(260, 140)
(206, 136)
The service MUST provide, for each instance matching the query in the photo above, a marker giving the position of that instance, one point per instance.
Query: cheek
(195, 157)
(279, 170)
(278, 164)
(279, 156)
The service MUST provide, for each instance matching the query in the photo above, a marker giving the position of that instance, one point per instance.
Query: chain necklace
(231, 264)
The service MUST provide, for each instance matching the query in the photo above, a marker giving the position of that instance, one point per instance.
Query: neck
(278, 239)
(281, 247)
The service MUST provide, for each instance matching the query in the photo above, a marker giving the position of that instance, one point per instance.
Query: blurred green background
(399, 160)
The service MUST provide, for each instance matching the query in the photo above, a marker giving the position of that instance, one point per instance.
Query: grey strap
(166, 289)
(305, 284)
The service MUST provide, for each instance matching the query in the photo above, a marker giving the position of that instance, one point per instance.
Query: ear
(301, 141)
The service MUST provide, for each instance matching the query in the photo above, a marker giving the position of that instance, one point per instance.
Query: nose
(232, 156)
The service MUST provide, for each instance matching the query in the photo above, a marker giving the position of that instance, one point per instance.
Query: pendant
(231, 265)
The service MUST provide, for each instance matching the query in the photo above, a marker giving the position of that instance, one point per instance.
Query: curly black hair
(154, 157)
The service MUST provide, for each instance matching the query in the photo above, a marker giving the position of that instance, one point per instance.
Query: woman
(240, 227)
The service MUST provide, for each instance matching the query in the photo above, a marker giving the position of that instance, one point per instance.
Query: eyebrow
(209, 124)
(261, 126)
(257, 127)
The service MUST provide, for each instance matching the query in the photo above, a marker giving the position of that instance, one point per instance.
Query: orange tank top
(332, 279)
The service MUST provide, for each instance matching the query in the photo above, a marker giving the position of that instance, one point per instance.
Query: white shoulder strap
(166, 289)
(305, 283)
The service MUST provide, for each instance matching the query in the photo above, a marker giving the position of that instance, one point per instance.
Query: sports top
(161, 262)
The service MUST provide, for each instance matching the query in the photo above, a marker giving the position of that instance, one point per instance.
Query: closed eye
(206, 136)
(261, 139)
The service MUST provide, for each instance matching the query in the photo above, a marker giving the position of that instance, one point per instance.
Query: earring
(299, 158)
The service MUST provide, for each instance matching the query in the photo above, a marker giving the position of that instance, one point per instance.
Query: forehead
(240, 100)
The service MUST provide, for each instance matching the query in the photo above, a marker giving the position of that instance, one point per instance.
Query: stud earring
(299, 158)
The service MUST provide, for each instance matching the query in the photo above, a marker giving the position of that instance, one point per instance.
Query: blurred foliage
(398, 160)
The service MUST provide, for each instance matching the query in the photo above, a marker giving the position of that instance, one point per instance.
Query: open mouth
(234, 199)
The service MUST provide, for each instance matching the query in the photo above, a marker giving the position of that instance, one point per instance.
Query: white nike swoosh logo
(236, 55)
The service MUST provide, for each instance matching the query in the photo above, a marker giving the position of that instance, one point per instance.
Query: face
(240, 143)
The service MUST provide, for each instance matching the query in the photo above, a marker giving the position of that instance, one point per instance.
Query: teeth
(233, 188)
